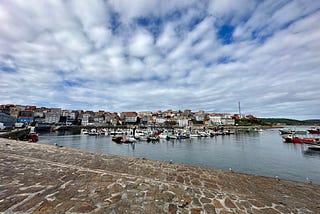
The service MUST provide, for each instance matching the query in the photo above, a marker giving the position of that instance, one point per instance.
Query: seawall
(37, 178)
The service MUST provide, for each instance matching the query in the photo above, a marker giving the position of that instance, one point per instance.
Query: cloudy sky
(124, 55)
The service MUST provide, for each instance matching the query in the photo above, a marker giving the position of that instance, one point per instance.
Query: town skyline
(156, 55)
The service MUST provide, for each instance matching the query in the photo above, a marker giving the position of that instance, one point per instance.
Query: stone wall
(37, 178)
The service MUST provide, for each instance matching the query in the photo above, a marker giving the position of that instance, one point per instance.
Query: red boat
(293, 139)
(314, 131)
(33, 138)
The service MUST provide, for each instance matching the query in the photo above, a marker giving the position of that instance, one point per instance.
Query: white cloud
(141, 44)
(68, 54)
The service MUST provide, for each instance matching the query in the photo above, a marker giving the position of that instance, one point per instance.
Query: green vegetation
(272, 121)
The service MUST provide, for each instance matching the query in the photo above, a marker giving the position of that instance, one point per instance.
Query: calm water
(254, 153)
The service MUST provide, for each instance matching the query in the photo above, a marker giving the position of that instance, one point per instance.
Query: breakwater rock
(37, 178)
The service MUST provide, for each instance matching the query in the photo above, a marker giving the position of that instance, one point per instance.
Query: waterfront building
(183, 122)
(85, 119)
(227, 119)
(129, 117)
(215, 119)
(26, 117)
(53, 116)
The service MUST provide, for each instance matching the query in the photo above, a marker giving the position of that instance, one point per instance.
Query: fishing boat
(286, 131)
(123, 139)
(290, 131)
(315, 130)
(293, 139)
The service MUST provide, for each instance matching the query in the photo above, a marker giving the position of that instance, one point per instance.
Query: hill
(287, 121)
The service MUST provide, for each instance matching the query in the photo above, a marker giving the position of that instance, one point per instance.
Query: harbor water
(259, 153)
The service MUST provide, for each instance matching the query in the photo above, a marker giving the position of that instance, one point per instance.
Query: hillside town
(17, 115)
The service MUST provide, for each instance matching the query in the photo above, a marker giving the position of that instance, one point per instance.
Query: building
(85, 119)
(215, 119)
(183, 122)
(227, 119)
(129, 117)
(53, 116)
(26, 117)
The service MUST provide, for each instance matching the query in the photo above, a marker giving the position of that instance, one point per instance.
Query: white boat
(314, 147)
(93, 132)
(84, 131)
(164, 135)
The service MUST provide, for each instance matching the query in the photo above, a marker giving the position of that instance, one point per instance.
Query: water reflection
(311, 153)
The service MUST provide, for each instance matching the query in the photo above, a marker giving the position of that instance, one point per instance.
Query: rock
(196, 210)
(209, 208)
(172, 209)
(180, 179)
(229, 203)
(217, 204)
(205, 200)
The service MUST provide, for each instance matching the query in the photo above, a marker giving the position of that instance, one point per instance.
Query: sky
(142, 55)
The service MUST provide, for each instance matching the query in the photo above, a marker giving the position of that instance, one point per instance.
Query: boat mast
(239, 109)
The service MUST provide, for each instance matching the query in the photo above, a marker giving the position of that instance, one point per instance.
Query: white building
(85, 119)
(183, 122)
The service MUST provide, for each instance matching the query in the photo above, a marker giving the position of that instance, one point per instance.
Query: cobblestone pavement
(37, 178)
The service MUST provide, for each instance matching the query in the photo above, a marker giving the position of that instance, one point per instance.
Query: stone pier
(37, 178)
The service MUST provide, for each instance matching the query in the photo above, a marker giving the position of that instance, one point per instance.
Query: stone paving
(37, 178)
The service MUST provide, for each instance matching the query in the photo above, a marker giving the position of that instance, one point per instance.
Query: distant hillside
(289, 121)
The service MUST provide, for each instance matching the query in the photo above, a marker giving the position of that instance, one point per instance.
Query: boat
(315, 130)
(33, 137)
(93, 132)
(286, 131)
(293, 139)
(123, 139)
(84, 131)
(314, 147)
(153, 138)
(117, 139)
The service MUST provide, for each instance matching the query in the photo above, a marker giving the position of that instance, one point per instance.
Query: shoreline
(52, 172)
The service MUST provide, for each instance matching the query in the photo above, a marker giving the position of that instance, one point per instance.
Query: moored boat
(315, 130)
(314, 147)
(293, 139)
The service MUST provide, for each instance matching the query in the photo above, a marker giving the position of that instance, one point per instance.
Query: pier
(18, 134)
(37, 178)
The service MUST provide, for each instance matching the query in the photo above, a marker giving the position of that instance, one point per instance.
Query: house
(145, 117)
(111, 118)
(215, 119)
(227, 119)
(183, 122)
(129, 117)
(15, 111)
(199, 116)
